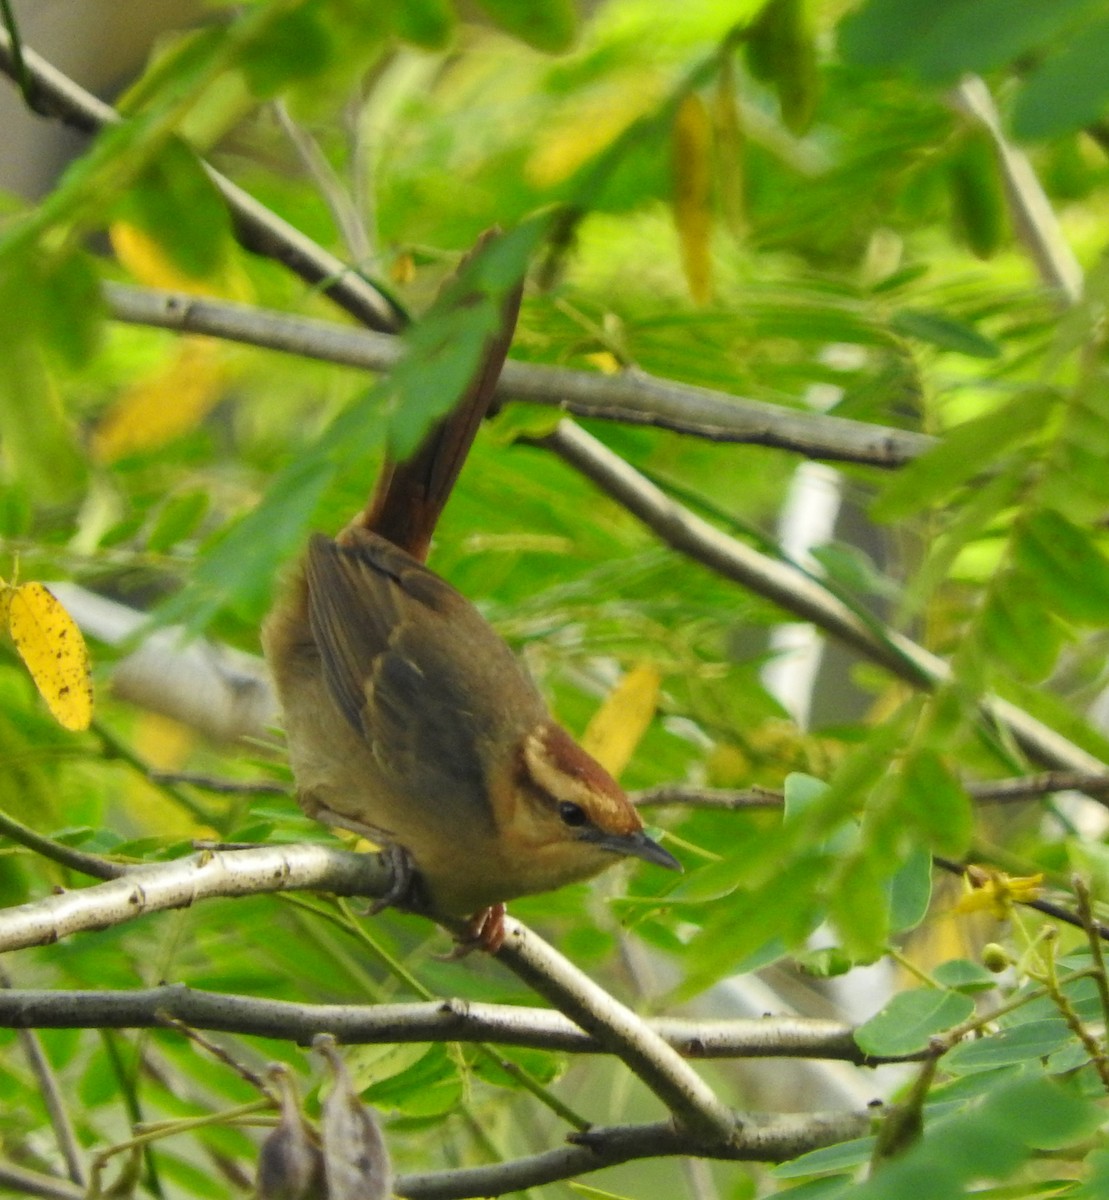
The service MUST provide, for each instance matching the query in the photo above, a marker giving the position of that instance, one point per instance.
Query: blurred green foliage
(851, 208)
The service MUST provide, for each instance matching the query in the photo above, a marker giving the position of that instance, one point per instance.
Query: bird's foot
(405, 890)
(485, 930)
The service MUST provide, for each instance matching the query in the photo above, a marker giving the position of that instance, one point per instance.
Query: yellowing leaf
(619, 724)
(161, 407)
(692, 147)
(53, 651)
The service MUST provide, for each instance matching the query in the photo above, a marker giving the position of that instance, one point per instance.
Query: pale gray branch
(450, 1020)
(259, 229)
(621, 1031)
(633, 397)
(760, 1138)
(182, 882)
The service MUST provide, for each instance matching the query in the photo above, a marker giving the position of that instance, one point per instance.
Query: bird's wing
(412, 666)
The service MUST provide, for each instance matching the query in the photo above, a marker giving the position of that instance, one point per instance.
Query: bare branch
(619, 1030)
(451, 1020)
(633, 396)
(761, 1138)
(795, 591)
(257, 228)
(179, 884)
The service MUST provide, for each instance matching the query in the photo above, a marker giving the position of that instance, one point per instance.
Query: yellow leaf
(605, 361)
(53, 651)
(590, 123)
(161, 407)
(692, 149)
(619, 724)
(995, 892)
(143, 258)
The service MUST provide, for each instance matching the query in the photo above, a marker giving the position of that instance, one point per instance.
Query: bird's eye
(571, 814)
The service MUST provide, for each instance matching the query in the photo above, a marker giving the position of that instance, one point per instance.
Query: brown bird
(410, 721)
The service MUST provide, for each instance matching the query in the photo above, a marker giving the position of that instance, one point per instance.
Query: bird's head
(568, 816)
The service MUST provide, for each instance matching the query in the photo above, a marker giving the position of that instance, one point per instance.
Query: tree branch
(762, 1138)
(619, 1030)
(450, 1020)
(182, 882)
(632, 397)
(257, 227)
(990, 791)
(795, 591)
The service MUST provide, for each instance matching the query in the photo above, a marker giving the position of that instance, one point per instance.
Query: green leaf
(801, 792)
(963, 975)
(944, 332)
(841, 1157)
(910, 892)
(932, 797)
(1023, 1043)
(1066, 565)
(1067, 91)
(296, 45)
(175, 203)
(177, 519)
(911, 1019)
(939, 40)
(548, 25)
(987, 34)
(425, 23)
(780, 51)
(1016, 630)
(71, 308)
(429, 1087)
(238, 571)
(858, 906)
(977, 194)
(447, 345)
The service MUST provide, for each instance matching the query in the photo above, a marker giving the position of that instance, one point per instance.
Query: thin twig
(327, 181)
(76, 860)
(222, 786)
(51, 1093)
(632, 397)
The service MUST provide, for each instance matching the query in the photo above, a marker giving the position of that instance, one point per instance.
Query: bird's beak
(637, 845)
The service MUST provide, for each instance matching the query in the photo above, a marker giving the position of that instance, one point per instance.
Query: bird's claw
(485, 930)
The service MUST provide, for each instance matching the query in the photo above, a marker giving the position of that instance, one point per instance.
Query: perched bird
(410, 721)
